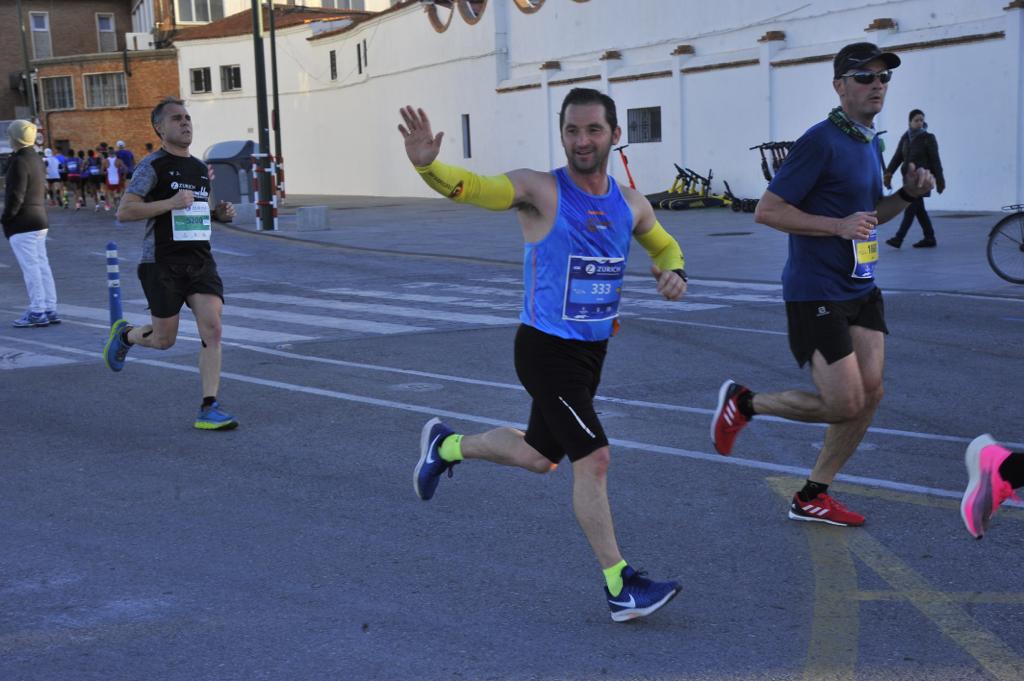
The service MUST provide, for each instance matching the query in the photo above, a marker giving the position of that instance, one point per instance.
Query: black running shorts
(561, 376)
(167, 286)
(824, 325)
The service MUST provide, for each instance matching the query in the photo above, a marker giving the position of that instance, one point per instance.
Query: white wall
(340, 136)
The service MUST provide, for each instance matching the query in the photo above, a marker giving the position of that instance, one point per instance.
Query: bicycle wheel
(1006, 248)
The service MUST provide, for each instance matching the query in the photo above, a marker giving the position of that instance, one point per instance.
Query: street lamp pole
(276, 114)
(265, 208)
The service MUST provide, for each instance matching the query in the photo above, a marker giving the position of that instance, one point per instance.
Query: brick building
(88, 99)
(55, 28)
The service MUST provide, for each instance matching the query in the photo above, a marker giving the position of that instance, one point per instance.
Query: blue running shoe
(52, 317)
(116, 349)
(431, 466)
(214, 418)
(639, 596)
(30, 319)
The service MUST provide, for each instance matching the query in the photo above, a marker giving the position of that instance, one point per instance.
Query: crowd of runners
(100, 175)
(577, 224)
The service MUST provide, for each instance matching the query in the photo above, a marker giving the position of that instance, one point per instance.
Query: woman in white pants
(25, 225)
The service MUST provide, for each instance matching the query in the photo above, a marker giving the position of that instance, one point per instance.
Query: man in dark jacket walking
(917, 146)
(25, 225)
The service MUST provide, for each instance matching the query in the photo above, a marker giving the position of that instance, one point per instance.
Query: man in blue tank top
(827, 197)
(577, 223)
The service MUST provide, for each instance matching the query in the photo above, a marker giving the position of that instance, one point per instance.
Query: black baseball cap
(855, 55)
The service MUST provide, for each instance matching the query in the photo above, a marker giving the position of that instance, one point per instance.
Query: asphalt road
(294, 548)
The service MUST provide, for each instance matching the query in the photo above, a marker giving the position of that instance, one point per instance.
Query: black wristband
(682, 274)
(902, 193)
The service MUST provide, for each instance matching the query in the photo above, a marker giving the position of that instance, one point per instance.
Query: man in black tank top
(170, 189)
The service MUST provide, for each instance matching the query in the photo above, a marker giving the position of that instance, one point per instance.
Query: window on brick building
(230, 78)
(201, 80)
(104, 90)
(106, 32)
(199, 11)
(42, 48)
(334, 65)
(643, 125)
(58, 94)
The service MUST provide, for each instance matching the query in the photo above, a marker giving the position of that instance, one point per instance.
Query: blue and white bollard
(113, 283)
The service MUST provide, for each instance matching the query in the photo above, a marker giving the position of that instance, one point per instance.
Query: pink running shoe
(986, 489)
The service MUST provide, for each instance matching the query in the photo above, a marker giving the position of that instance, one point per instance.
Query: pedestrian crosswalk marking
(340, 323)
(423, 298)
(386, 310)
(188, 326)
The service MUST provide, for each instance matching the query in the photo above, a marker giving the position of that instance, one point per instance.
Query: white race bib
(192, 223)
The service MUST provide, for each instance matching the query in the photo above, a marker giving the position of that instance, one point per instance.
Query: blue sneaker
(30, 319)
(116, 349)
(639, 596)
(214, 418)
(431, 466)
(52, 317)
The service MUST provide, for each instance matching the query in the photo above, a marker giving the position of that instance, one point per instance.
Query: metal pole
(264, 205)
(28, 66)
(276, 116)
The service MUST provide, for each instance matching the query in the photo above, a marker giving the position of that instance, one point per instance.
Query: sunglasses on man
(868, 77)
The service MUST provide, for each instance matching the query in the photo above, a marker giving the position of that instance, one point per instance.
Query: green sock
(613, 577)
(451, 448)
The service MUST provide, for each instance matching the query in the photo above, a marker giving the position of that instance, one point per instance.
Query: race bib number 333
(192, 223)
(593, 288)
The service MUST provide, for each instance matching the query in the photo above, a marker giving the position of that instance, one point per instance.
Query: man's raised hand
(421, 145)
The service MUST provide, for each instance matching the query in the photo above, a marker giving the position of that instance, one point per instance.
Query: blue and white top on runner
(573, 276)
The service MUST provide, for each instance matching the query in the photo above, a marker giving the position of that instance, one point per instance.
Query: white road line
(343, 324)
(713, 326)
(717, 283)
(662, 305)
(643, 404)
(228, 251)
(421, 298)
(474, 418)
(189, 326)
(382, 310)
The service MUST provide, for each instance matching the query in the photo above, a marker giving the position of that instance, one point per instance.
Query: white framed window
(198, 11)
(106, 32)
(201, 80)
(105, 90)
(345, 4)
(39, 22)
(230, 78)
(58, 93)
(334, 65)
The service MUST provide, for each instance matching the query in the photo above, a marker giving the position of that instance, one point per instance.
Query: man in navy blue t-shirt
(827, 197)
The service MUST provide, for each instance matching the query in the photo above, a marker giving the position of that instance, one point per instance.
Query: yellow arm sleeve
(663, 249)
(462, 186)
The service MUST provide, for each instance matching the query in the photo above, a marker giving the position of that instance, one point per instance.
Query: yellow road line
(836, 597)
(835, 625)
(996, 657)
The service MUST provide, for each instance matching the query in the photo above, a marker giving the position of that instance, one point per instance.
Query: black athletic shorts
(168, 285)
(561, 376)
(824, 325)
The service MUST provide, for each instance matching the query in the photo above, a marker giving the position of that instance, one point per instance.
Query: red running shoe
(727, 422)
(824, 509)
(986, 489)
